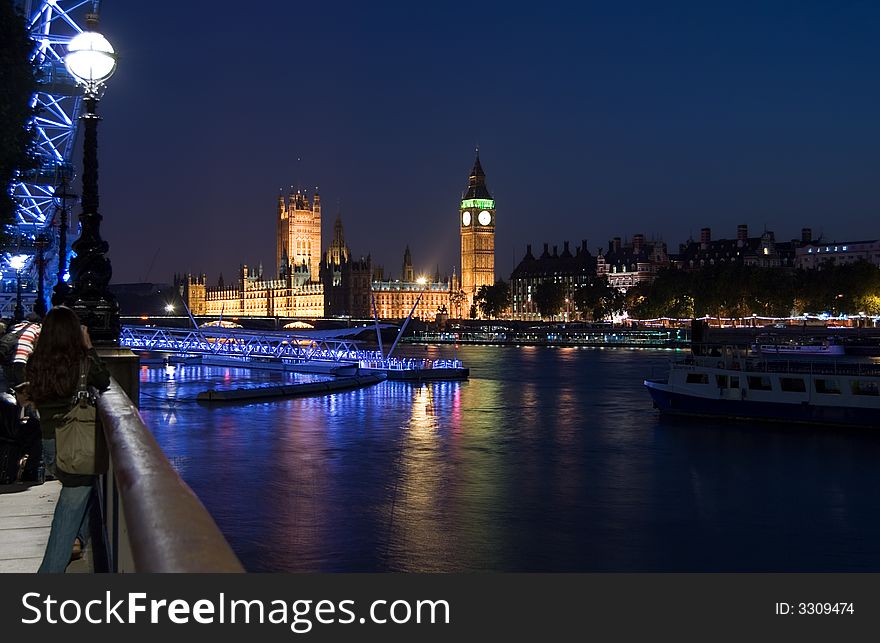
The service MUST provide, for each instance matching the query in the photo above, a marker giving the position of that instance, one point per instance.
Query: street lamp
(91, 61)
(17, 263)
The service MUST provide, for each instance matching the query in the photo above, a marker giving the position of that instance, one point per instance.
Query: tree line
(594, 301)
(717, 291)
(743, 291)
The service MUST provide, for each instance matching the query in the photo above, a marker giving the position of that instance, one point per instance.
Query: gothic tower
(407, 274)
(299, 233)
(477, 227)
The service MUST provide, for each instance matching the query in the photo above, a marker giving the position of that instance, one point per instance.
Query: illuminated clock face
(485, 218)
(465, 218)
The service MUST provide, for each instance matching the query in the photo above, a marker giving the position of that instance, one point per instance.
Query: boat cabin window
(861, 387)
(792, 384)
(828, 387)
(727, 381)
(760, 383)
(697, 378)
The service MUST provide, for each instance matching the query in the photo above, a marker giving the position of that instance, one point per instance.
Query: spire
(477, 181)
(284, 268)
(408, 273)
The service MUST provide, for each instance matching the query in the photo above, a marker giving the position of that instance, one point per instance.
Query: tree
(493, 300)
(17, 85)
(597, 300)
(671, 294)
(549, 298)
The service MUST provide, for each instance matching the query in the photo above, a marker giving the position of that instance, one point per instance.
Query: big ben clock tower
(477, 227)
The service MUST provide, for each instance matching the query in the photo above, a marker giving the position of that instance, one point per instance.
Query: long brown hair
(53, 368)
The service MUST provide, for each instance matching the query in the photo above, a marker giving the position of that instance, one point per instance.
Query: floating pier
(291, 390)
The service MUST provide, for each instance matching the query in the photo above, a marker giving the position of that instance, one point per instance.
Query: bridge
(254, 346)
(230, 342)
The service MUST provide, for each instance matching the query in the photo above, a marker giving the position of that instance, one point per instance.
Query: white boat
(826, 392)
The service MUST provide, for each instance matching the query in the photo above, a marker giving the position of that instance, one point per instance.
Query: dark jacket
(52, 411)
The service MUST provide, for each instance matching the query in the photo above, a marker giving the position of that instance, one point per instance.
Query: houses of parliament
(309, 283)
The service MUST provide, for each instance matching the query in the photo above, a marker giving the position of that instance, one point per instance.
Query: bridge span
(255, 347)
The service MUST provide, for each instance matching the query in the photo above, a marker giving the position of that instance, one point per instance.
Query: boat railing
(801, 367)
(408, 364)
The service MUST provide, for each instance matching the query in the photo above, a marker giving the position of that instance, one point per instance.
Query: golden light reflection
(416, 505)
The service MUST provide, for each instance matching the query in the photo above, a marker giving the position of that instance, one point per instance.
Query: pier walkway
(25, 517)
(263, 349)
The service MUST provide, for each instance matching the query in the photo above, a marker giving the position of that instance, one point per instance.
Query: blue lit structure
(274, 345)
(57, 103)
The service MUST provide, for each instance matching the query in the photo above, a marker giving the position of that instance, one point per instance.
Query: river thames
(545, 460)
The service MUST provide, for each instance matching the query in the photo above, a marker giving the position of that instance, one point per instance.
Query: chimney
(806, 235)
(565, 248)
(528, 249)
(638, 242)
(584, 245)
(615, 244)
(546, 251)
(705, 237)
(555, 251)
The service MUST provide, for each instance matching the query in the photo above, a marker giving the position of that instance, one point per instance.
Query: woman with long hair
(53, 372)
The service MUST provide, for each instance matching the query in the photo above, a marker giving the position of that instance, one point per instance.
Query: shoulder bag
(79, 442)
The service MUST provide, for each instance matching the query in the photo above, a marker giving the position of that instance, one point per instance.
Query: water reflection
(543, 460)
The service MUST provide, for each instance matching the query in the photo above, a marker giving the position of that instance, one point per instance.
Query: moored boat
(827, 392)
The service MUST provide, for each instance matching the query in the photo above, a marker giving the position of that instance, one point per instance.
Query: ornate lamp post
(91, 61)
(17, 262)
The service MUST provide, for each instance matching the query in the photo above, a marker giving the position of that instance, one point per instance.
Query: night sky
(593, 120)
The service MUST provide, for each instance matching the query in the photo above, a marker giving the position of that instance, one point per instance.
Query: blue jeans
(49, 457)
(71, 518)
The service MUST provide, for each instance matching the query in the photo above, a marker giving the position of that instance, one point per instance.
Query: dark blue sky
(594, 120)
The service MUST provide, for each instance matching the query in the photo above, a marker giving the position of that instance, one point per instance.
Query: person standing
(29, 331)
(53, 373)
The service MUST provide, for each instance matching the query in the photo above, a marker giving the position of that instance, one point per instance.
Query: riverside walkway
(25, 517)
(151, 520)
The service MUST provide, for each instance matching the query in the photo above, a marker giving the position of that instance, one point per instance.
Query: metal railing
(153, 520)
(239, 343)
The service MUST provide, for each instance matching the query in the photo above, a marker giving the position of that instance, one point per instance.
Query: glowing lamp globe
(90, 57)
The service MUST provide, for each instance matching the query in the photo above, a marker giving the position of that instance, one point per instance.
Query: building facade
(345, 280)
(629, 264)
(292, 295)
(298, 240)
(813, 255)
(477, 231)
(763, 251)
(572, 271)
